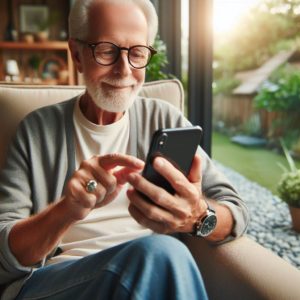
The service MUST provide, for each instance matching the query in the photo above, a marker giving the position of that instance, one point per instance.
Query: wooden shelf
(48, 45)
(23, 51)
(42, 46)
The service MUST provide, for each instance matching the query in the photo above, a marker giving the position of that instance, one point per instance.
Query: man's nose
(122, 65)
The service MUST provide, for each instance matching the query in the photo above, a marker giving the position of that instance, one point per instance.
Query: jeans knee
(165, 258)
(162, 246)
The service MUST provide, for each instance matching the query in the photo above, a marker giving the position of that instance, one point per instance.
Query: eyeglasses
(106, 54)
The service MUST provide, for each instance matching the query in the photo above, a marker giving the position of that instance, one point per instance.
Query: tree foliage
(258, 36)
(282, 92)
(158, 62)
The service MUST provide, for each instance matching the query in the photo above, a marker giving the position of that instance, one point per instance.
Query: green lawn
(257, 164)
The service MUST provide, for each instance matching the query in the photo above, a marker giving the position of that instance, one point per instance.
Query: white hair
(78, 18)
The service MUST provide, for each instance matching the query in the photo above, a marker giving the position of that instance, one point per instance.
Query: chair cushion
(16, 101)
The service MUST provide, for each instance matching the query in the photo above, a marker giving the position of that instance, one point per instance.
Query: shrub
(289, 184)
(289, 188)
(158, 62)
(281, 93)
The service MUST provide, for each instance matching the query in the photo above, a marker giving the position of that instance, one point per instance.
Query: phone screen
(177, 145)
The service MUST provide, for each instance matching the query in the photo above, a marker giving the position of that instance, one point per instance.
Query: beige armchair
(241, 269)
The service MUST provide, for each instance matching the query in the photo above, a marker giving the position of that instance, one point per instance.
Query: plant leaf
(288, 156)
(282, 167)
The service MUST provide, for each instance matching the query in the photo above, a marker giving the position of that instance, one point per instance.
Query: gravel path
(270, 223)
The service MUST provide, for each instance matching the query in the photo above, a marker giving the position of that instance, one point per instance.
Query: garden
(274, 114)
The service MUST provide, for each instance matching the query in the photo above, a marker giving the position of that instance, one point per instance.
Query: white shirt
(112, 224)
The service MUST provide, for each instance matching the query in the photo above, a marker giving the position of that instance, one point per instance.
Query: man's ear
(75, 53)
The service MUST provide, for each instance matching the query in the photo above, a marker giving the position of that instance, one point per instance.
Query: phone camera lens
(162, 141)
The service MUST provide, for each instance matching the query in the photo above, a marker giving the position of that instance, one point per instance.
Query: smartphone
(178, 146)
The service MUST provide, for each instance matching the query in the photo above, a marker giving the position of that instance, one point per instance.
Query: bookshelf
(54, 52)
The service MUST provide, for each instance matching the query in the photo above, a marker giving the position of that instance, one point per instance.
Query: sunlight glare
(227, 13)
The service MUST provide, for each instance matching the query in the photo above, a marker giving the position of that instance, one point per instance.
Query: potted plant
(289, 188)
(44, 26)
(43, 34)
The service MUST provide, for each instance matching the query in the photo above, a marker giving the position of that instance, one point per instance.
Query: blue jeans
(155, 267)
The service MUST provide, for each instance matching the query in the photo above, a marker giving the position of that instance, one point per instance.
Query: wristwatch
(206, 224)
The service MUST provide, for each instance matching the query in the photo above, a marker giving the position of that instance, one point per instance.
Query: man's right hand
(27, 237)
(109, 172)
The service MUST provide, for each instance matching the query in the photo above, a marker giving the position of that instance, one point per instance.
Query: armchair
(241, 269)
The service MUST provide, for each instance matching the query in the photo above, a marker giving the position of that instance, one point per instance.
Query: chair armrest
(242, 269)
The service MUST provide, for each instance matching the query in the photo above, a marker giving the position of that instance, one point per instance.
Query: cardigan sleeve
(217, 187)
(154, 114)
(15, 204)
(33, 176)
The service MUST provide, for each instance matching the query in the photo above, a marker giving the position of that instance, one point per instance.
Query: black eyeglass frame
(93, 46)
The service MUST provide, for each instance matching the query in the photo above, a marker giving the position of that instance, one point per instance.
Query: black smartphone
(177, 145)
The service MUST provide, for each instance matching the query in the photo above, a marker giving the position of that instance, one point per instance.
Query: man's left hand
(167, 213)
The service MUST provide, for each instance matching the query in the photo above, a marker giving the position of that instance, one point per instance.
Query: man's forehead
(112, 18)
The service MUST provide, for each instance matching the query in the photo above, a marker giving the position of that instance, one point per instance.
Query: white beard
(113, 100)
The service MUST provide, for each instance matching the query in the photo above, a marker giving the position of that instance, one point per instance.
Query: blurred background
(238, 61)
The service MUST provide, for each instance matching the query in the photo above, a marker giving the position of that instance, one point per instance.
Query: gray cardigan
(41, 158)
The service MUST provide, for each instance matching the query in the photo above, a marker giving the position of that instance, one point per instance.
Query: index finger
(111, 161)
(176, 178)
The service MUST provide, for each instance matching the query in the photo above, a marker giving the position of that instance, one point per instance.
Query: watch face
(208, 225)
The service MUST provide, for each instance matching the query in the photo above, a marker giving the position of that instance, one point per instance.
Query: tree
(268, 27)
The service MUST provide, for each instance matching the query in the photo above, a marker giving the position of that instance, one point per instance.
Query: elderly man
(70, 226)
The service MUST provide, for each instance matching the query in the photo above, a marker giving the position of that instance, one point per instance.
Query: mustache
(120, 82)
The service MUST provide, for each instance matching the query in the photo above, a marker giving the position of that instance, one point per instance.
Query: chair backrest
(16, 101)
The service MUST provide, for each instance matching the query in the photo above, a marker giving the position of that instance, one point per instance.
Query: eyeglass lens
(107, 54)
